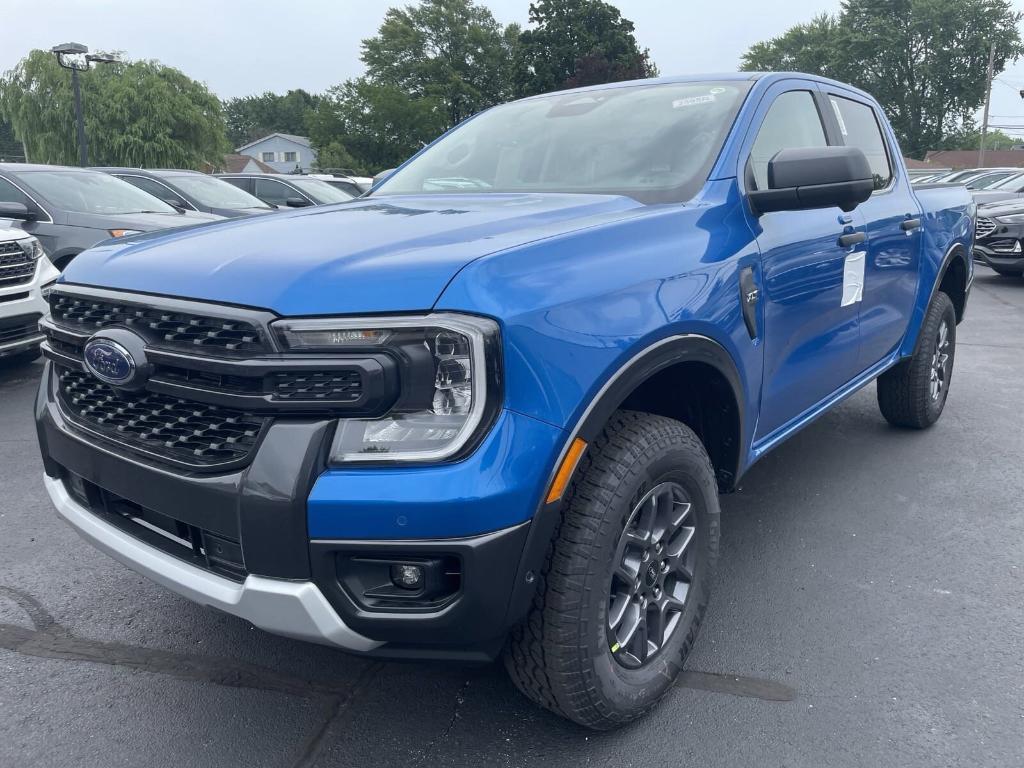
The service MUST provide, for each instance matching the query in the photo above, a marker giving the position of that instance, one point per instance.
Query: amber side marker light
(561, 481)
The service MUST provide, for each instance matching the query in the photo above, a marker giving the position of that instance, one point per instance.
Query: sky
(239, 47)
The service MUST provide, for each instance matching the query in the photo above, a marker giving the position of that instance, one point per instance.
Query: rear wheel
(627, 577)
(913, 393)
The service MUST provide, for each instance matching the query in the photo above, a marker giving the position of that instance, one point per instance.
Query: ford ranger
(487, 409)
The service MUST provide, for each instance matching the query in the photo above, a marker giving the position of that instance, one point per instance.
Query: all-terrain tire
(907, 394)
(561, 656)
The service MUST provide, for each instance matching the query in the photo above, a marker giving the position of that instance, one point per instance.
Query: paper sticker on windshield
(707, 98)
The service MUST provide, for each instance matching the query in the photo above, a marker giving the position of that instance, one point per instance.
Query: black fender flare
(622, 382)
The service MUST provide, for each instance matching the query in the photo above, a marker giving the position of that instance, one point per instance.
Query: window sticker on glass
(707, 98)
(839, 117)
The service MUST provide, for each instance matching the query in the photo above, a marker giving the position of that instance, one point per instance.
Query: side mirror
(815, 177)
(16, 211)
(297, 202)
(175, 204)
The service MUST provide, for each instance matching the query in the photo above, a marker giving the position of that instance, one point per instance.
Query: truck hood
(374, 255)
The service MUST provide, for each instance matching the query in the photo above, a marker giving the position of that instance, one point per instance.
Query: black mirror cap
(297, 202)
(16, 211)
(815, 177)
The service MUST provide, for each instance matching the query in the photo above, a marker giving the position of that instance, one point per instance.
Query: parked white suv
(24, 272)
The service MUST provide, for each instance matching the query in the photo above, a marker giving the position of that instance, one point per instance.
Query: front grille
(165, 427)
(16, 266)
(333, 386)
(19, 328)
(160, 327)
(195, 545)
(984, 227)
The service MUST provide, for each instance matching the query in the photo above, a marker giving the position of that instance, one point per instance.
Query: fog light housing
(406, 576)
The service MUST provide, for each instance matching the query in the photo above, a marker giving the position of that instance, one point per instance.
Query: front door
(892, 217)
(811, 314)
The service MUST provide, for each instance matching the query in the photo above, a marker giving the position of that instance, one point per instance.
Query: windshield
(94, 192)
(321, 191)
(1016, 180)
(988, 179)
(655, 143)
(215, 193)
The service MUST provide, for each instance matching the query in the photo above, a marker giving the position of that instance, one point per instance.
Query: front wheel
(627, 576)
(913, 393)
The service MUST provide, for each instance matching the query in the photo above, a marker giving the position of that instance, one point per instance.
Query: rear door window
(859, 128)
(274, 192)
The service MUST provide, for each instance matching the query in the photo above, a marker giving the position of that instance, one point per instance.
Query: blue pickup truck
(488, 409)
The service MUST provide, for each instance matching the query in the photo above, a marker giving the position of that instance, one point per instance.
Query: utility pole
(83, 149)
(76, 57)
(988, 102)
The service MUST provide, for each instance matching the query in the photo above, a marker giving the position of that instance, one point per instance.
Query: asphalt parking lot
(869, 611)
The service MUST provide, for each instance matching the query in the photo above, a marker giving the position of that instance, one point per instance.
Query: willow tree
(137, 113)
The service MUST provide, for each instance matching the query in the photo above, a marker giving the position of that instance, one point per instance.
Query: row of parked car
(999, 194)
(49, 214)
(71, 209)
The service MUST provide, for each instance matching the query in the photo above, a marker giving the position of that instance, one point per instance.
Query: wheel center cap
(651, 576)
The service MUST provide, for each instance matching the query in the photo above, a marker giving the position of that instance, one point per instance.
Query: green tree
(452, 51)
(430, 66)
(924, 60)
(806, 47)
(970, 138)
(138, 113)
(248, 118)
(577, 43)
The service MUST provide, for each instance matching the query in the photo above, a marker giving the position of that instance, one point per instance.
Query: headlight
(1013, 218)
(32, 248)
(448, 367)
(123, 232)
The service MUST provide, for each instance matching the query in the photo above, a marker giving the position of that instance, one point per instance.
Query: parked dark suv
(192, 191)
(71, 209)
(287, 191)
(998, 237)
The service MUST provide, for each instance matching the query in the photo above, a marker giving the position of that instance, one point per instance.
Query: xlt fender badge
(750, 294)
(853, 278)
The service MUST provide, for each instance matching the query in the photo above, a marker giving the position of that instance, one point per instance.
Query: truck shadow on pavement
(48, 639)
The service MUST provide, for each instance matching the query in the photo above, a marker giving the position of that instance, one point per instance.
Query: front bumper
(1002, 248)
(292, 608)
(23, 305)
(476, 512)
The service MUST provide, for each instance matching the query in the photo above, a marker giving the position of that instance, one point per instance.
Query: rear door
(811, 329)
(892, 217)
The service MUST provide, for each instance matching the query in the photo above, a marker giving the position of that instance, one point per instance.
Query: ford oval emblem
(110, 362)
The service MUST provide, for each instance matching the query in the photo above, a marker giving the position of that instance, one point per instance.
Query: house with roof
(284, 152)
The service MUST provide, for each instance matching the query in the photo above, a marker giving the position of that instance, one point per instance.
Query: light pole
(76, 57)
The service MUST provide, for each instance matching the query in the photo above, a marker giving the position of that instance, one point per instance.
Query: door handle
(852, 238)
(910, 224)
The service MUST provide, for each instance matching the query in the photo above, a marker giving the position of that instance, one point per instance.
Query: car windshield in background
(215, 193)
(94, 192)
(321, 191)
(655, 143)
